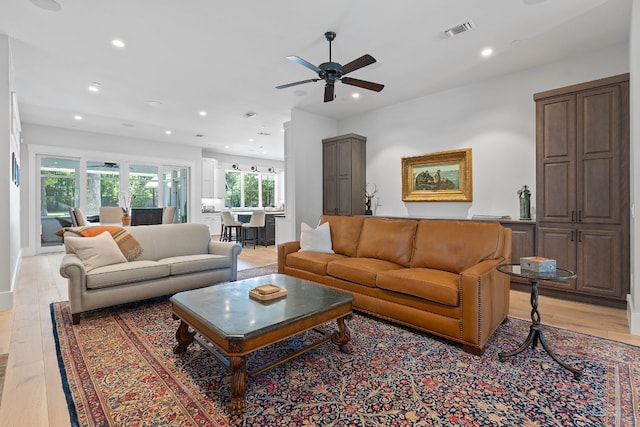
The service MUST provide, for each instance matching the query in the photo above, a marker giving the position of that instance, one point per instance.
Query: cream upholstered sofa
(435, 275)
(174, 258)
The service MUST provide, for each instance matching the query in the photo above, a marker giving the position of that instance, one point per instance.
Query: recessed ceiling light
(203, 113)
(118, 43)
(94, 87)
(249, 114)
(251, 139)
(128, 125)
(226, 147)
(282, 130)
(154, 103)
(77, 117)
(168, 132)
(355, 95)
(50, 5)
(486, 52)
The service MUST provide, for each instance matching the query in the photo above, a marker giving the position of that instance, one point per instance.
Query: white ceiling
(226, 57)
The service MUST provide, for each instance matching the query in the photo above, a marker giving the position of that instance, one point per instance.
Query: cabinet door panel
(599, 268)
(556, 140)
(600, 202)
(556, 193)
(558, 244)
(330, 178)
(598, 165)
(522, 244)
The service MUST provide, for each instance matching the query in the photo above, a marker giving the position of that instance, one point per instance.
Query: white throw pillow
(96, 251)
(316, 240)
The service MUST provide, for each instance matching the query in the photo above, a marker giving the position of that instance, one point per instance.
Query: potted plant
(127, 199)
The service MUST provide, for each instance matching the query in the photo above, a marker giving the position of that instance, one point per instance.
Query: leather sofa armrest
(485, 300)
(285, 249)
(232, 250)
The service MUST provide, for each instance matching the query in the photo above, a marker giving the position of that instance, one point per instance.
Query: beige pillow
(95, 251)
(316, 240)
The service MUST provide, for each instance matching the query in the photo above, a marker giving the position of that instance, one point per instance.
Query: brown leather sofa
(435, 275)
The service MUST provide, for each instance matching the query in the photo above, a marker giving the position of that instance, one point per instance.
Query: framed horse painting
(438, 177)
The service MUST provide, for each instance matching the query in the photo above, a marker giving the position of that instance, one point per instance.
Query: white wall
(303, 158)
(64, 142)
(496, 118)
(10, 254)
(633, 306)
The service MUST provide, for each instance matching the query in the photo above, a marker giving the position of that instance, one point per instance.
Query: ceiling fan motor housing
(331, 71)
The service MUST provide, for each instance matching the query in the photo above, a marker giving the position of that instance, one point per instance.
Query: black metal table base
(536, 334)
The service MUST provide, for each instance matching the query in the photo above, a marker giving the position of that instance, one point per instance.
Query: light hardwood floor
(33, 393)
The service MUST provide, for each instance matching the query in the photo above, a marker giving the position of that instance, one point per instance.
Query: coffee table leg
(239, 383)
(342, 336)
(184, 338)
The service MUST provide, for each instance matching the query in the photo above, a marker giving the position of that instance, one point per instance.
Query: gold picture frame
(438, 177)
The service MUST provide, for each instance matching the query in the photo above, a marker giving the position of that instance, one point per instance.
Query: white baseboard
(633, 317)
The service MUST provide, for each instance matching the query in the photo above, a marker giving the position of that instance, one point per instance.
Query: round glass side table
(535, 329)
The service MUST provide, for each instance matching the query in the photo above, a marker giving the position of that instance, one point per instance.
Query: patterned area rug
(118, 369)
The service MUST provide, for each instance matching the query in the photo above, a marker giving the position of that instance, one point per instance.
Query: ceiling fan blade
(296, 83)
(377, 87)
(356, 64)
(328, 93)
(304, 63)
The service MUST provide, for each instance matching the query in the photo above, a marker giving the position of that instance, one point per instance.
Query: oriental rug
(118, 369)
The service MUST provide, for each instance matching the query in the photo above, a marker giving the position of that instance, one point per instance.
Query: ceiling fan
(331, 72)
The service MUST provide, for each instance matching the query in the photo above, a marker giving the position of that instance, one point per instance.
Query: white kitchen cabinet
(214, 221)
(209, 167)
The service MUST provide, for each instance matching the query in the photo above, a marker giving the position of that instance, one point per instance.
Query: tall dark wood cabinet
(582, 150)
(344, 174)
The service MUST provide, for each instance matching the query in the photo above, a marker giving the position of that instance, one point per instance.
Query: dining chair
(230, 227)
(72, 216)
(80, 219)
(256, 224)
(110, 214)
(168, 212)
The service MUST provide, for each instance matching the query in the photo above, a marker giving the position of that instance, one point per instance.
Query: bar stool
(256, 223)
(229, 227)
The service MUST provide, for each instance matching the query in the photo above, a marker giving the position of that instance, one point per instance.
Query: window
(232, 198)
(103, 186)
(174, 184)
(143, 186)
(59, 191)
(250, 189)
(268, 189)
(92, 184)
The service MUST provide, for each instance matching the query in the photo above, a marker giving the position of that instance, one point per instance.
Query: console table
(535, 330)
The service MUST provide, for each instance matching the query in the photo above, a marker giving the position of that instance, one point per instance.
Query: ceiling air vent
(458, 29)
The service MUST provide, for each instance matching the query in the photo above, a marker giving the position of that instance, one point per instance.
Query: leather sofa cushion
(193, 263)
(455, 246)
(360, 270)
(433, 285)
(387, 239)
(314, 262)
(345, 232)
(129, 272)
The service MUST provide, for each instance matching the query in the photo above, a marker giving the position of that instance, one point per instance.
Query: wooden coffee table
(230, 324)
